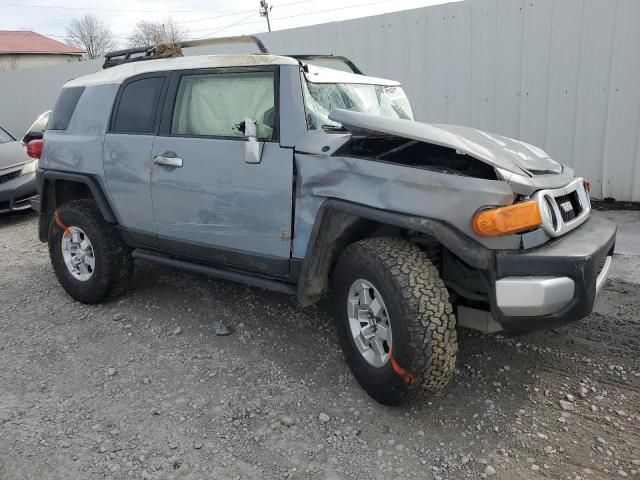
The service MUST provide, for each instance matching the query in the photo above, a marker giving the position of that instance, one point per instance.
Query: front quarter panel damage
(451, 198)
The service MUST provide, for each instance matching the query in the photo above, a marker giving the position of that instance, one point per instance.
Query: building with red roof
(24, 49)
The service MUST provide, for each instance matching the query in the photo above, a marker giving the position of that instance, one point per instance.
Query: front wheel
(89, 258)
(394, 320)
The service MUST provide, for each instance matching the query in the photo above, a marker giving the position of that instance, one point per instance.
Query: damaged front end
(483, 207)
(462, 171)
(506, 196)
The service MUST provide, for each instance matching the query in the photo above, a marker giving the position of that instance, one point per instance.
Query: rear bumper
(556, 283)
(17, 193)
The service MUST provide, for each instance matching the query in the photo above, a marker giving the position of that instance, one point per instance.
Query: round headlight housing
(550, 219)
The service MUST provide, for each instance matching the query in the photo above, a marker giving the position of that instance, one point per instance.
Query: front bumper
(556, 283)
(17, 193)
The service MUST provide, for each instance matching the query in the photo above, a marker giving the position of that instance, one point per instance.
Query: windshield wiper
(334, 128)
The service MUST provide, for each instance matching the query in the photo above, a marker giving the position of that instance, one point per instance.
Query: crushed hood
(498, 151)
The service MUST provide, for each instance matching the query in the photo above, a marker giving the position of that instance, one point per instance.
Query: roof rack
(338, 58)
(170, 50)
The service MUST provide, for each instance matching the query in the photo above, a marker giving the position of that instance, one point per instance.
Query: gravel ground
(142, 388)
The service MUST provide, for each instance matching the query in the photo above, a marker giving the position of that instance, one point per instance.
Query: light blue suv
(276, 172)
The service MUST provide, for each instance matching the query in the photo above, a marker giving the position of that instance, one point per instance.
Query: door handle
(168, 161)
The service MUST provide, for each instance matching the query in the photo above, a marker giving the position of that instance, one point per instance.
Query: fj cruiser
(285, 175)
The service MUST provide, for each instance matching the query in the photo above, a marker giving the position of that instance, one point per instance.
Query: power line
(243, 11)
(332, 9)
(59, 7)
(109, 10)
(215, 16)
(319, 11)
(239, 22)
(243, 22)
(126, 37)
(232, 25)
(298, 15)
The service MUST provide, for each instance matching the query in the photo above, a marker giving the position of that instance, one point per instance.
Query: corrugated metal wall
(561, 74)
(25, 94)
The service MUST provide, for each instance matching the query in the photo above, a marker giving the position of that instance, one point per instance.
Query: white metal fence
(561, 74)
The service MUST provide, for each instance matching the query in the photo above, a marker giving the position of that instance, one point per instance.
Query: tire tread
(428, 314)
(117, 263)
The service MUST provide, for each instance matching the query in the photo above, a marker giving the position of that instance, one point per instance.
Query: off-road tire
(424, 339)
(113, 262)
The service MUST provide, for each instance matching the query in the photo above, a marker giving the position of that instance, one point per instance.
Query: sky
(204, 19)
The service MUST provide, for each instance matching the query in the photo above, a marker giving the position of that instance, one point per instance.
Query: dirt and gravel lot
(142, 388)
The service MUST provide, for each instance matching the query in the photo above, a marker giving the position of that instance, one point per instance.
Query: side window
(65, 106)
(138, 105)
(215, 104)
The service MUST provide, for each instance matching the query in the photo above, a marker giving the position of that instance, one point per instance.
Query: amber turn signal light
(504, 220)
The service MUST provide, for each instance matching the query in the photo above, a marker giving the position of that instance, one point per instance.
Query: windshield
(5, 137)
(382, 100)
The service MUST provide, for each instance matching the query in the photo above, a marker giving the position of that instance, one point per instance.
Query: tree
(155, 33)
(91, 34)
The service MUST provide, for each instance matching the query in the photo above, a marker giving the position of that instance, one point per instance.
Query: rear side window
(65, 106)
(138, 105)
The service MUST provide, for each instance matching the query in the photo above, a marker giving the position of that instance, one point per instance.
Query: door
(209, 203)
(127, 154)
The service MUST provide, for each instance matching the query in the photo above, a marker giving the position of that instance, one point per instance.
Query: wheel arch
(57, 188)
(339, 223)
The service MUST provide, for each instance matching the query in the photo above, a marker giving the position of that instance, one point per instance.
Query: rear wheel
(87, 254)
(394, 320)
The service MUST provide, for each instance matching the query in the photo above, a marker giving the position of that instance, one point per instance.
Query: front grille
(569, 206)
(563, 209)
(9, 176)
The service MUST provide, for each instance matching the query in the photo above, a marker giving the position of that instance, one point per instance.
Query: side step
(247, 279)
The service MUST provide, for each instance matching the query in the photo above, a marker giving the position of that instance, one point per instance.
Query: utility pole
(264, 11)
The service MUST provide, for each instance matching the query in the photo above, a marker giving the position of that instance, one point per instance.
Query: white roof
(318, 74)
(122, 72)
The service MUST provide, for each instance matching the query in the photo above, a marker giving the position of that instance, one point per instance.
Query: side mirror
(250, 128)
(253, 147)
(36, 131)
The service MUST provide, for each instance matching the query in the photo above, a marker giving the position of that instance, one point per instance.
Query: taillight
(505, 220)
(35, 147)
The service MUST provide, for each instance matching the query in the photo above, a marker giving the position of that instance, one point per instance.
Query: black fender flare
(330, 234)
(45, 182)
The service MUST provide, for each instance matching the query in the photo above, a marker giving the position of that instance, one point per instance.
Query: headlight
(30, 167)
